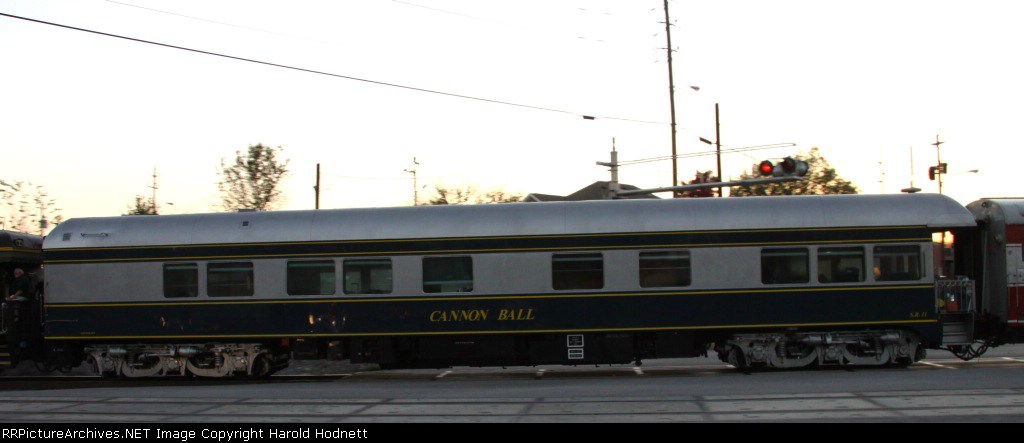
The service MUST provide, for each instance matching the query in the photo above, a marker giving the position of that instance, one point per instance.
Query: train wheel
(148, 367)
(921, 353)
(44, 367)
(98, 368)
(260, 367)
(737, 358)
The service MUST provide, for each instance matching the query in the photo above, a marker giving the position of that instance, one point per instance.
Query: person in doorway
(23, 289)
(22, 292)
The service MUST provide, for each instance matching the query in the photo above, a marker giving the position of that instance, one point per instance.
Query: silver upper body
(514, 219)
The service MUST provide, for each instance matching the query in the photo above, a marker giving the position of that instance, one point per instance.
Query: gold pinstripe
(536, 331)
(21, 249)
(493, 297)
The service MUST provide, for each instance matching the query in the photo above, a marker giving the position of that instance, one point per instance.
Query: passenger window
(181, 280)
(897, 263)
(577, 271)
(368, 276)
(664, 269)
(311, 277)
(229, 279)
(447, 274)
(784, 265)
(840, 265)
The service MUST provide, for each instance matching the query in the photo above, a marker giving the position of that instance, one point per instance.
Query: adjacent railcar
(779, 281)
(20, 322)
(999, 264)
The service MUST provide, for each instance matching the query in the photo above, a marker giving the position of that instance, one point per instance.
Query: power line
(313, 71)
(217, 22)
(541, 29)
(703, 153)
(354, 177)
(445, 11)
(358, 177)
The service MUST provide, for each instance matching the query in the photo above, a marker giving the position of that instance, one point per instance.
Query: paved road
(937, 390)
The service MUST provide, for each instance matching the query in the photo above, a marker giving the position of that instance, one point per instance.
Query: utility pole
(613, 185)
(155, 212)
(881, 171)
(718, 149)
(937, 171)
(316, 187)
(671, 99)
(940, 169)
(415, 186)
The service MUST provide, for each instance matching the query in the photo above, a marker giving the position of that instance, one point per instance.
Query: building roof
(595, 191)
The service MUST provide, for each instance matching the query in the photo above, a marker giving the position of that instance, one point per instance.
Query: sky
(868, 82)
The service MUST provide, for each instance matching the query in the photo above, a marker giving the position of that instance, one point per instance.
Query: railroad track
(552, 372)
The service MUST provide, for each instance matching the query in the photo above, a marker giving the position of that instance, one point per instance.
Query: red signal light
(766, 168)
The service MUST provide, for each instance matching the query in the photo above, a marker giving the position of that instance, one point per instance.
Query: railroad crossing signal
(788, 167)
(938, 169)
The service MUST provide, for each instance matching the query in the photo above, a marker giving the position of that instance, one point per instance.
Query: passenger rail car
(775, 281)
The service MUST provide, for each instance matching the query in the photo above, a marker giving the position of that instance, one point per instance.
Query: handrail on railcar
(955, 296)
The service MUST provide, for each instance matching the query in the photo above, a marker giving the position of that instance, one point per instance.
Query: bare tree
(452, 195)
(29, 208)
(500, 196)
(468, 194)
(251, 182)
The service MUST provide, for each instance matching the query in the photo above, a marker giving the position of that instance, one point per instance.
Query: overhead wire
(249, 28)
(445, 11)
(329, 74)
(430, 8)
(560, 33)
(704, 153)
(354, 177)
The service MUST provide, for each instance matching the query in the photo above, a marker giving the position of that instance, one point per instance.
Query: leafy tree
(251, 182)
(702, 177)
(142, 206)
(821, 178)
(29, 208)
(468, 194)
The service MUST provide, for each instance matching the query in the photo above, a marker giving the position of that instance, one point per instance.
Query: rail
(955, 296)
